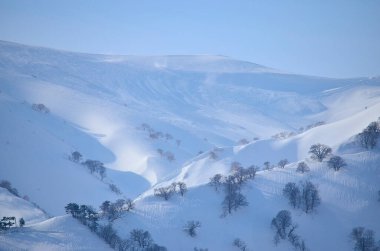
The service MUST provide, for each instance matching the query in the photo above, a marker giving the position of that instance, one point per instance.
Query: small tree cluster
(305, 196)
(191, 227)
(303, 167)
(233, 199)
(242, 142)
(168, 191)
(283, 135)
(232, 186)
(282, 163)
(240, 244)
(40, 108)
(369, 136)
(153, 134)
(336, 163)
(113, 211)
(267, 166)
(7, 222)
(200, 249)
(7, 185)
(363, 239)
(139, 240)
(168, 155)
(319, 152)
(216, 181)
(95, 166)
(308, 127)
(285, 229)
(85, 214)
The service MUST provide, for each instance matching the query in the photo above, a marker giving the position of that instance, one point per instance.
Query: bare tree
(240, 244)
(216, 181)
(182, 188)
(163, 192)
(233, 199)
(363, 239)
(336, 162)
(191, 226)
(310, 196)
(141, 238)
(292, 192)
(368, 138)
(129, 205)
(302, 167)
(282, 163)
(319, 152)
(282, 224)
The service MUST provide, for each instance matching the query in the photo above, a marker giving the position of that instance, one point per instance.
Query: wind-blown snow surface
(99, 102)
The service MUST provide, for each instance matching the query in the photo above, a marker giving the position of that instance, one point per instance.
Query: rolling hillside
(154, 120)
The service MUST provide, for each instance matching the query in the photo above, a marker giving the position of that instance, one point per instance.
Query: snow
(97, 105)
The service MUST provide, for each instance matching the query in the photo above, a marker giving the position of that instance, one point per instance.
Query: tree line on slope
(139, 240)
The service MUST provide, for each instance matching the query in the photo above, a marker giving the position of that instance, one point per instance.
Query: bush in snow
(282, 163)
(319, 152)
(7, 185)
(21, 222)
(191, 227)
(240, 244)
(75, 156)
(363, 239)
(336, 162)
(302, 167)
(40, 108)
(369, 136)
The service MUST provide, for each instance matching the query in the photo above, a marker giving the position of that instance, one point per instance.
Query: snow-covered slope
(135, 113)
(40, 233)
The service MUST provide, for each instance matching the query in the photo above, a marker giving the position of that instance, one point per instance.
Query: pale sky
(335, 38)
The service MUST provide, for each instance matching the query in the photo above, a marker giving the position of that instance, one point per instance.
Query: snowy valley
(85, 129)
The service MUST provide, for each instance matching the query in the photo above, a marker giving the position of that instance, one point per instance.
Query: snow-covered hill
(155, 120)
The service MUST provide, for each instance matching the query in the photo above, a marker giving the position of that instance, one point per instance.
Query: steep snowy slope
(40, 233)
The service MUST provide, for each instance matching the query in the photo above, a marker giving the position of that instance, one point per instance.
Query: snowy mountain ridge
(154, 120)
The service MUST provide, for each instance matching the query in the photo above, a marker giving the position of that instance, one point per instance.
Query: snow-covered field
(135, 113)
